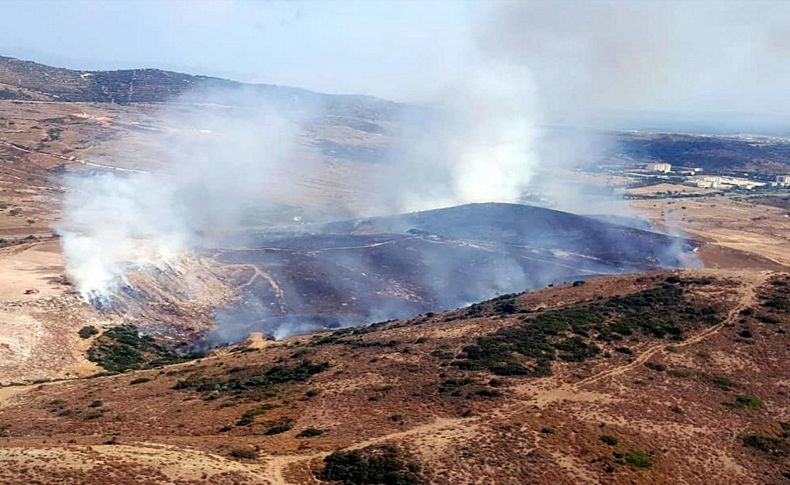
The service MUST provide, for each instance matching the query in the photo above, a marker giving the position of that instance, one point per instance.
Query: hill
(714, 154)
(26, 80)
(641, 378)
(365, 270)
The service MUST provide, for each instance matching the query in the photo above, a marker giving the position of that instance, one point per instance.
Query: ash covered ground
(361, 271)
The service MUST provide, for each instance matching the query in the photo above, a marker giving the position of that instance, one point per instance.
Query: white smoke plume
(222, 156)
(478, 145)
(481, 139)
(217, 166)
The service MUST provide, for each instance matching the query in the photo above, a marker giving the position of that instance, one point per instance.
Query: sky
(383, 48)
(589, 58)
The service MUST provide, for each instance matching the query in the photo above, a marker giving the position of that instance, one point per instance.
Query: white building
(659, 167)
(707, 181)
(783, 180)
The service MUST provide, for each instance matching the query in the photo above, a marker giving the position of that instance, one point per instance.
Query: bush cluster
(383, 464)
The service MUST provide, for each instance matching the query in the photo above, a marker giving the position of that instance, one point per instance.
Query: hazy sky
(377, 47)
(583, 56)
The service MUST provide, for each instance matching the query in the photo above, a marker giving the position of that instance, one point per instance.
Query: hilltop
(26, 80)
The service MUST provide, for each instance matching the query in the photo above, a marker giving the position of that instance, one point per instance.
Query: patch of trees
(384, 464)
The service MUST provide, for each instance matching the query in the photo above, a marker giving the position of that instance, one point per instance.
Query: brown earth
(533, 429)
(151, 433)
(736, 233)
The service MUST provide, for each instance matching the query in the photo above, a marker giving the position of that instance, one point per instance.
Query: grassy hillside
(620, 379)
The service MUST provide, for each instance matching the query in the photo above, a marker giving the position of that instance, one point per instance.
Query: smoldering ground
(226, 157)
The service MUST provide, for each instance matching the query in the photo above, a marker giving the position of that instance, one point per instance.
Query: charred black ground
(366, 270)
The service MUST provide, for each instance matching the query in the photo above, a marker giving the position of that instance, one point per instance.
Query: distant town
(682, 181)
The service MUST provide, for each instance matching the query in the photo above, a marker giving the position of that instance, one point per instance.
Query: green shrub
(249, 416)
(680, 373)
(768, 444)
(489, 393)
(280, 428)
(88, 331)
(310, 432)
(311, 393)
(382, 464)
(746, 401)
(777, 303)
(248, 379)
(530, 347)
(637, 458)
(723, 383)
(609, 440)
(656, 366)
(243, 453)
(140, 380)
(122, 348)
(765, 318)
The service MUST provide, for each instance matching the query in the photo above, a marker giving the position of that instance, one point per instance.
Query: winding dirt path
(747, 297)
(277, 464)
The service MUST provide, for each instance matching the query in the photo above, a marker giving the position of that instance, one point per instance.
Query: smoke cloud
(218, 166)
(477, 145)
(595, 62)
(223, 158)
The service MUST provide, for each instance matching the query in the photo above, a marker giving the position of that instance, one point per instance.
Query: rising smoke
(478, 145)
(222, 157)
(218, 163)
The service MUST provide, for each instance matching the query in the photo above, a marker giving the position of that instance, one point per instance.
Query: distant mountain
(26, 80)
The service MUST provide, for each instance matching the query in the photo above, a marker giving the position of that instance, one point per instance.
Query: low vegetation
(771, 445)
(123, 348)
(746, 402)
(88, 331)
(635, 458)
(310, 433)
(384, 464)
(249, 416)
(609, 440)
(243, 453)
(251, 378)
(280, 427)
(576, 333)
